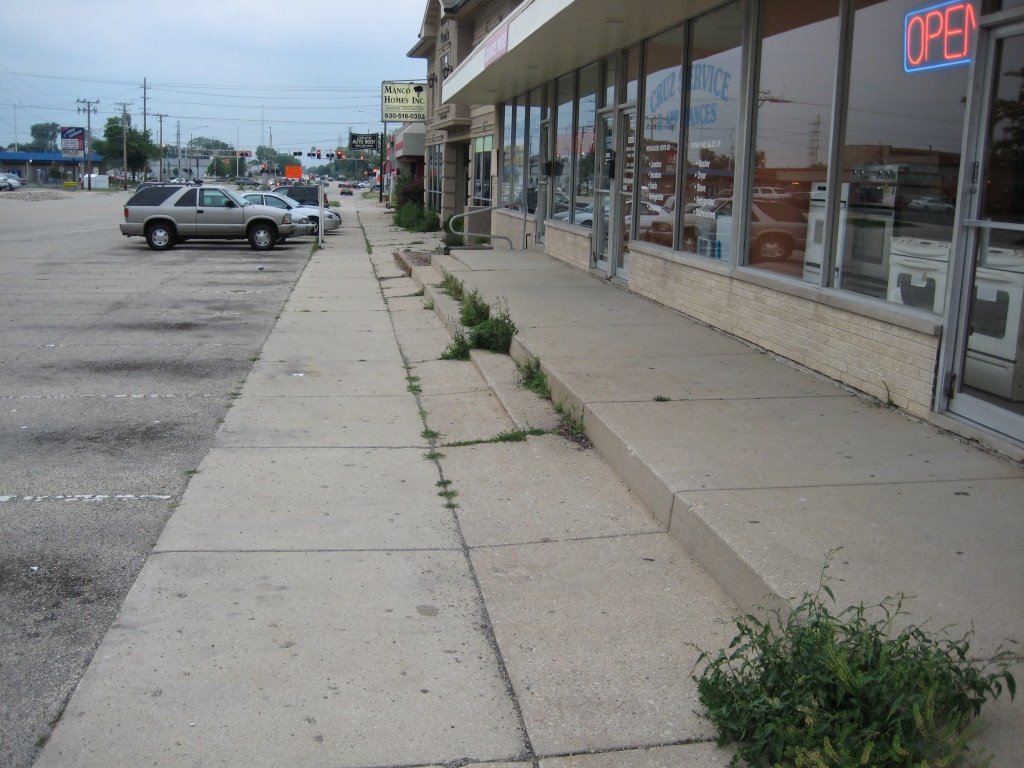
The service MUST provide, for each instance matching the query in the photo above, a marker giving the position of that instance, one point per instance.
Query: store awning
(541, 41)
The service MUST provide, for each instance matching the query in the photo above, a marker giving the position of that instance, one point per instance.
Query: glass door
(604, 184)
(986, 380)
(623, 212)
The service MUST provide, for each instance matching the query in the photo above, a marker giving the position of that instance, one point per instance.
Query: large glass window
(435, 176)
(507, 153)
(659, 134)
(533, 169)
(711, 121)
(900, 162)
(586, 144)
(793, 109)
(561, 173)
(482, 148)
(519, 151)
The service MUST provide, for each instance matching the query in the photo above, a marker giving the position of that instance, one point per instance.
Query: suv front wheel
(160, 236)
(262, 237)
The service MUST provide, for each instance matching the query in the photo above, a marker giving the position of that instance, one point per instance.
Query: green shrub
(408, 190)
(473, 310)
(494, 334)
(838, 690)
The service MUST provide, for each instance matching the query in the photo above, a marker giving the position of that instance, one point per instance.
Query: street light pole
(124, 143)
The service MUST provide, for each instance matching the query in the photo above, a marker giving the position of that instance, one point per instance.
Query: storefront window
(711, 121)
(586, 148)
(533, 169)
(435, 176)
(482, 148)
(519, 152)
(507, 153)
(793, 109)
(659, 135)
(632, 60)
(901, 160)
(611, 79)
(561, 173)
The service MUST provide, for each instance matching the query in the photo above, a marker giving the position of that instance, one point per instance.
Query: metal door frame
(948, 396)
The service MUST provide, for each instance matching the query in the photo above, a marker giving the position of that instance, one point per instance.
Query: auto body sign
(72, 142)
(402, 102)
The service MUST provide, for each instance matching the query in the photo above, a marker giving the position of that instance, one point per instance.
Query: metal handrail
(463, 215)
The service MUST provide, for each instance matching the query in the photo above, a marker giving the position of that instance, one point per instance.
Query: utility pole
(178, 140)
(160, 171)
(89, 109)
(124, 143)
(144, 105)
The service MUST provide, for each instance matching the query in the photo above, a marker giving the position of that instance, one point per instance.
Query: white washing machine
(918, 270)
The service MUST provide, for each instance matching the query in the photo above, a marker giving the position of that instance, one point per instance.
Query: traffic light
(263, 167)
(296, 154)
(318, 154)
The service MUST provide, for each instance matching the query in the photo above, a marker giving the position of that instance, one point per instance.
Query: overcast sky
(236, 70)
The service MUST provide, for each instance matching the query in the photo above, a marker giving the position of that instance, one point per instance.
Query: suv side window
(275, 202)
(188, 200)
(152, 195)
(213, 198)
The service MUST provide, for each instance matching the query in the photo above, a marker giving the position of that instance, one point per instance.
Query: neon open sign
(939, 36)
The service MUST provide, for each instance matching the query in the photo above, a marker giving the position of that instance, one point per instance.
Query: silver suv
(168, 213)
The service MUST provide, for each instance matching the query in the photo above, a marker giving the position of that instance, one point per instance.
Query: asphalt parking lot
(118, 365)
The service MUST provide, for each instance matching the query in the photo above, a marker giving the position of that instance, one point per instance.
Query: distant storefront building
(837, 181)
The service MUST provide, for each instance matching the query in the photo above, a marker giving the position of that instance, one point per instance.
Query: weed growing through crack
(459, 347)
(413, 384)
(430, 434)
(661, 399)
(509, 436)
(532, 377)
(428, 304)
(571, 427)
(433, 455)
(451, 285)
(473, 310)
(843, 689)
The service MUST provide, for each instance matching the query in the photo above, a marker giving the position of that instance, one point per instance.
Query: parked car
(930, 204)
(171, 213)
(9, 182)
(302, 193)
(245, 181)
(301, 214)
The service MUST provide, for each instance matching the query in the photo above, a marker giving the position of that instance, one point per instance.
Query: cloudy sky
(241, 71)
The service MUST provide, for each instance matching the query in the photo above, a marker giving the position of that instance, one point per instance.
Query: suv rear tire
(262, 236)
(160, 236)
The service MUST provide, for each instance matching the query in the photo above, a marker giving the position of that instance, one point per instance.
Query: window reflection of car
(930, 205)
(777, 228)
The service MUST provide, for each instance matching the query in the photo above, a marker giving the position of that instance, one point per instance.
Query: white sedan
(9, 182)
(299, 212)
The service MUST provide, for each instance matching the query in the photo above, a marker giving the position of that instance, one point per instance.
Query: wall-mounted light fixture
(446, 70)
(432, 79)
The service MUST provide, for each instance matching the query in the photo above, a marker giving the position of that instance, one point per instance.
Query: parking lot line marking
(89, 497)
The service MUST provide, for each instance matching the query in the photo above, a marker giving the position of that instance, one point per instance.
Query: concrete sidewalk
(341, 586)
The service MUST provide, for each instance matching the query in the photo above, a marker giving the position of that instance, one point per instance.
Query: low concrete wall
(890, 361)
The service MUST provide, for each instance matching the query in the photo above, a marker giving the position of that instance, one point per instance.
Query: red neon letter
(917, 21)
(969, 24)
(932, 32)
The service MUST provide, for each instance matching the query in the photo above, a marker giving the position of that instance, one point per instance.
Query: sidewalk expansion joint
(568, 539)
(486, 625)
(303, 551)
(631, 748)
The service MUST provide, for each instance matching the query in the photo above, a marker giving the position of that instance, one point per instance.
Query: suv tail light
(126, 213)
(287, 219)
